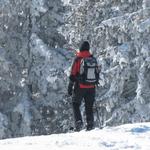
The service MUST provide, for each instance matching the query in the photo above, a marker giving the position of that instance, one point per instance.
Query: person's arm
(72, 77)
(74, 70)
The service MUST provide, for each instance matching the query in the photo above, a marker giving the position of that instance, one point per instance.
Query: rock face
(34, 62)
(32, 68)
(118, 31)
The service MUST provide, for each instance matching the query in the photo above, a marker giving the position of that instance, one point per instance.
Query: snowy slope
(129, 136)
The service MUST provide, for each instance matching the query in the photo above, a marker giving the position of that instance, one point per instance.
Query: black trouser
(88, 94)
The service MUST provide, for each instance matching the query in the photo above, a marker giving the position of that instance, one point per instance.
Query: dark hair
(85, 46)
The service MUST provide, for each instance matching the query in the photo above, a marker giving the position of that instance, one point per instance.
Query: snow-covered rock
(37, 43)
(119, 35)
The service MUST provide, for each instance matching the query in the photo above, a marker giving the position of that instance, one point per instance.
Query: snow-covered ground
(125, 137)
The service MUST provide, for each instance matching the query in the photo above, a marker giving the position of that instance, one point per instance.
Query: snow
(38, 6)
(144, 26)
(3, 124)
(129, 136)
(66, 2)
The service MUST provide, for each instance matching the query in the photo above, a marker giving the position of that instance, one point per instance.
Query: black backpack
(89, 72)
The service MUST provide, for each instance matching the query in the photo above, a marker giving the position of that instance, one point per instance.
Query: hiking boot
(89, 127)
(78, 126)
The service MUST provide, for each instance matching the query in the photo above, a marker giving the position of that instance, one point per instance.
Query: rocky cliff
(118, 31)
(35, 42)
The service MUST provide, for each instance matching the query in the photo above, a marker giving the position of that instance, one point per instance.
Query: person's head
(85, 46)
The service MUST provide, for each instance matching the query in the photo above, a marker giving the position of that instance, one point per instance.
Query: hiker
(83, 78)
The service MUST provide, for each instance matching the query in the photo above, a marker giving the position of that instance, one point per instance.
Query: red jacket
(75, 69)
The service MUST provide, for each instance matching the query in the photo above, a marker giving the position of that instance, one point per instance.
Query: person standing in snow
(83, 78)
